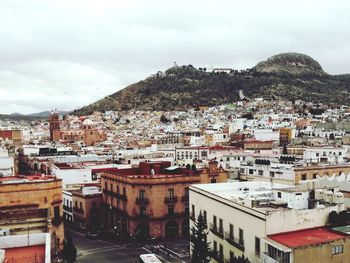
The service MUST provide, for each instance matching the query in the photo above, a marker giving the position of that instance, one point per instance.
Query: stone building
(151, 200)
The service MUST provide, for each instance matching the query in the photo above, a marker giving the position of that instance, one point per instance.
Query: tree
(69, 252)
(193, 167)
(200, 247)
(285, 151)
(241, 259)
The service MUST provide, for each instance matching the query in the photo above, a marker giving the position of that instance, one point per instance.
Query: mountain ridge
(287, 76)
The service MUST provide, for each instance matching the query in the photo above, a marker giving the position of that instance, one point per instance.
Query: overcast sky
(67, 54)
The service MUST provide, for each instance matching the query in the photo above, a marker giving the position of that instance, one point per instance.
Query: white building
(241, 215)
(328, 154)
(68, 206)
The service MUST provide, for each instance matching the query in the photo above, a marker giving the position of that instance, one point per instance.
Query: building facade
(152, 199)
(32, 204)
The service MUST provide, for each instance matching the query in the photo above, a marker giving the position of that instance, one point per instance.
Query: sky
(66, 54)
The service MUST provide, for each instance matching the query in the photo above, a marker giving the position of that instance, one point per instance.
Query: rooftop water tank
(338, 198)
(328, 196)
(319, 194)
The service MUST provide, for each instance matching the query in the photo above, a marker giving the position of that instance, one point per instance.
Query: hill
(289, 76)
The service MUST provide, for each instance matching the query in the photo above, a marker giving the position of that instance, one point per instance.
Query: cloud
(66, 54)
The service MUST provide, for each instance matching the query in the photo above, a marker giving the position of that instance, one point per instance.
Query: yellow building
(32, 204)
(319, 245)
(312, 171)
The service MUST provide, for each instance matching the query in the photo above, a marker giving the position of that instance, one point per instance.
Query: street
(93, 251)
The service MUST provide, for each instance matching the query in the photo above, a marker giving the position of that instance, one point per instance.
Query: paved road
(95, 251)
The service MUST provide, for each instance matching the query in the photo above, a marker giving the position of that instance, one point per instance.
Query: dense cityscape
(263, 181)
(174, 132)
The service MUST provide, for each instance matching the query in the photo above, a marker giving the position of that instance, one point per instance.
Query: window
(214, 221)
(142, 194)
(171, 192)
(221, 229)
(279, 194)
(314, 176)
(232, 255)
(215, 246)
(241, 240)
(124, 191)
(81, 205)
(221, 254)
(112, 187)
(193, 214)
(171, 210)
(231, 231)
(204, 153)
(56, 213)
(118, 189)
(251, 171)
(337, 249)
(205, 216)
(317, 154)
(257, 246)
(303, 177)
(142, 210)
(260, 172)
(106, 186)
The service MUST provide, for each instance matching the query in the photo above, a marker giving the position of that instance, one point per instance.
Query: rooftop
(307, 237)
(26, 179)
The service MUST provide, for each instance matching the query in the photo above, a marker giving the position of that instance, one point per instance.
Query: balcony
(142, 217)
(185, 198)
(216, 231)
(142, 201)
(116, 195)
(219, 258)
(78, 210)
(170, 200)
(67, 208)
(239, 244)
(267, 259)
(174, 215)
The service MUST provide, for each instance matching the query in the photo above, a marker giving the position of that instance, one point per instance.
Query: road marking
(99, 250)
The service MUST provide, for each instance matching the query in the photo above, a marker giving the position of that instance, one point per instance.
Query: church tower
(54, 120)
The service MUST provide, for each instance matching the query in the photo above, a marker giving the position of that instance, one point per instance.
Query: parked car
(91, 235)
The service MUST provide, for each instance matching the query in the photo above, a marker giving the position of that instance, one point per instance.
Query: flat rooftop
(307, 237)
(236, 190)
(22, 179)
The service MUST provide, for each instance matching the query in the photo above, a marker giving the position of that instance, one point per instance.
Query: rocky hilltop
(290, 63)
(288, 76)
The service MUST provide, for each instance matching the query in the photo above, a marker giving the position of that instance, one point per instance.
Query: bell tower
(54, 125)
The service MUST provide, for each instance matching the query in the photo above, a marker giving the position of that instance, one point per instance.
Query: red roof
(306, 237)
